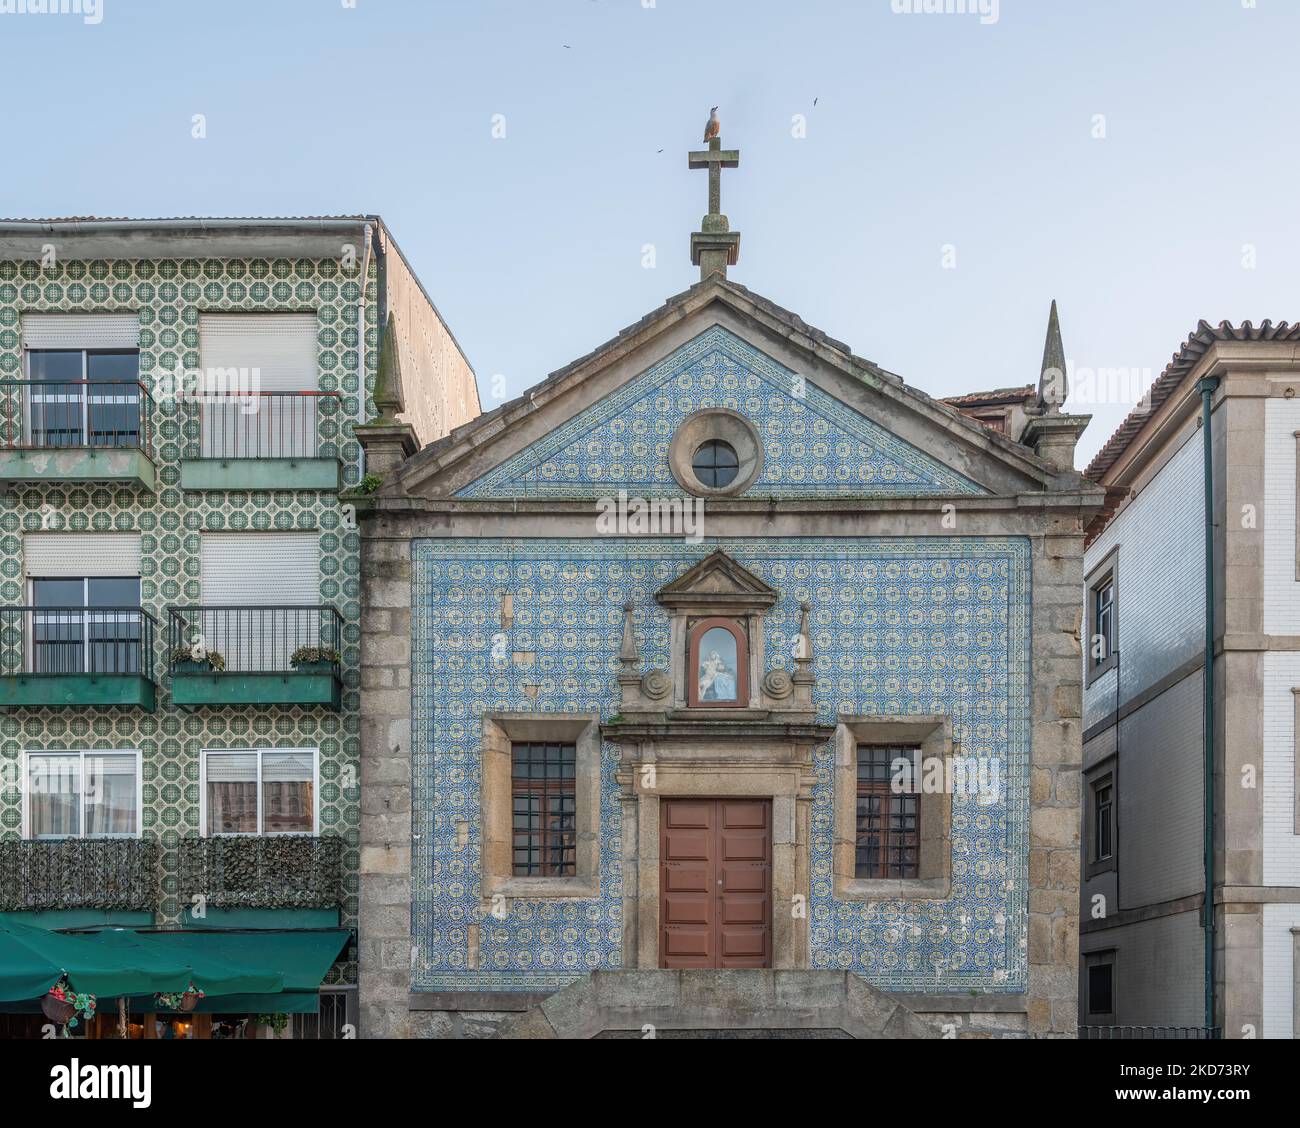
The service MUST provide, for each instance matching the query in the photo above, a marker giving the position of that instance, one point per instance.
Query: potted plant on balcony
(196, 660)
(61, 1004)
(185, 1000)
(314, 659)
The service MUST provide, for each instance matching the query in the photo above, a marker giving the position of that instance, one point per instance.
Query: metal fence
(254, 640)
(60, 414)
(238, 424)
(1149, 1033)
(76, 640)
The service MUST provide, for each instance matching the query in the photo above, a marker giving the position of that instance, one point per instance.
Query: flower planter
(192, 668)
(314, 667)
(58, 1011)
(188, 1002)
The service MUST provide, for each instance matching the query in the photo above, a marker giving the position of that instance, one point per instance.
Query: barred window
(543, 778)
(888, 816)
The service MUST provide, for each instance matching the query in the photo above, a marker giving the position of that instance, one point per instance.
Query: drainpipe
(1207, 387)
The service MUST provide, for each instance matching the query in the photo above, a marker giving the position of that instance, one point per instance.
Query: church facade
(722, 681)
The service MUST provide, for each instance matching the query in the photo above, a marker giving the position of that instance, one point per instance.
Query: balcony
(110, 874)
(255, 656)
(54, 657)
(76, 431)
(278, 871)
(261, 441)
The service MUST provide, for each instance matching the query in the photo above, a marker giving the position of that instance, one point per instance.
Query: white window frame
(314, 753)
(81, 753)
(85, 396)
(88, 618)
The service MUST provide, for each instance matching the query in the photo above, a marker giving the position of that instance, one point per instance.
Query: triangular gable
(812, 443)
(718, 579)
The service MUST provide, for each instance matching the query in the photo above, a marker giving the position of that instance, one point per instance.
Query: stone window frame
(1106, 772)
(725, 425)
(496, 856)
(1107, 570)
(1101, 958)
(933, 734)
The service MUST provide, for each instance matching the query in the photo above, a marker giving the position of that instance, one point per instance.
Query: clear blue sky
(928, 130)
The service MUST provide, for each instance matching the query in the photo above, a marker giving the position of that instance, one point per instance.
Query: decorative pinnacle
(388, 380)
(1053, 385)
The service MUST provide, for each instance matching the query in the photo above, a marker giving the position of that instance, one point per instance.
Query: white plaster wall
(1161, 538)
(1279, 970)
(1281, 592)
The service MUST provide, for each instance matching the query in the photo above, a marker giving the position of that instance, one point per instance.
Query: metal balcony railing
(76, 640)
(78, 873)
(262, 871)
(237, 424)
(1149, 1033)
(66, 414)
(255, 640)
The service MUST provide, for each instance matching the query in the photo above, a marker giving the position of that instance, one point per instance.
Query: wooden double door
(715, 883)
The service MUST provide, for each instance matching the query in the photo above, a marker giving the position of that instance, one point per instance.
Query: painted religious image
(717, 666)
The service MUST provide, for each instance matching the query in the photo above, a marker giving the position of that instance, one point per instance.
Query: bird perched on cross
(714, 127)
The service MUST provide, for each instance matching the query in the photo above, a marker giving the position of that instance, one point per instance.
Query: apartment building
(1220, 424)
(179, 588)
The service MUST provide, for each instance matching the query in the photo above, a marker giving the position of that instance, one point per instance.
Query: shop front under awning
(260, 966)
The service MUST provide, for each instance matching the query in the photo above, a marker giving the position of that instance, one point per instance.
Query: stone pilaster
(1054, 783)
(385, 957)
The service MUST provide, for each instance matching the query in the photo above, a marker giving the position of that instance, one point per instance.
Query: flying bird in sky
(714, 128)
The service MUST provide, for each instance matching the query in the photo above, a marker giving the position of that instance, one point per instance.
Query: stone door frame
(647, 777)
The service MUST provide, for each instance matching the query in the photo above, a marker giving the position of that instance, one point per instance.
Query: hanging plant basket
(59, 1011)
(61, 1004)
(184, 1001)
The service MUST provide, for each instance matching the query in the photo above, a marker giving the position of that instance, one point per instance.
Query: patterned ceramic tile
(169, 297)
(899, 627)
(812, 443)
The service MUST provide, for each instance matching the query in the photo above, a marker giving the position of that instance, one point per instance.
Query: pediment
(830, 424)
(718, 582)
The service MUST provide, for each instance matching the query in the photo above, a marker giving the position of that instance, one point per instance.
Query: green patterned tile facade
(170, 297)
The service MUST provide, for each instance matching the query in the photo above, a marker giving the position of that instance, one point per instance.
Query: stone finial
(388, 380)
(1053, 385)
(628, 655)
(803, 677)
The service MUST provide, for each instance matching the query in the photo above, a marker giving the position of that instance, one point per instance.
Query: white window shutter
(254, 352)
(281, 346)
(267, 570)
(81, 330)
(48, 556)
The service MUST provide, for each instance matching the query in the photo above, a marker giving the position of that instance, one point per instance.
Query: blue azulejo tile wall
(914, 626)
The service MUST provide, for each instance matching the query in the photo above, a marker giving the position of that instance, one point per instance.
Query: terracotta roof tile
(1203, 337)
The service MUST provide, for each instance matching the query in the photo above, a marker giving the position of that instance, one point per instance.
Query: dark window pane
(544, 806)
(64, 366)
(1101, 989)
(123, 366)
(888, 812)
(116, 592)
(58, 593)
(716, 464)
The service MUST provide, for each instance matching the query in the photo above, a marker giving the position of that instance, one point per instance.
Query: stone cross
(715, 159)
(715, 246)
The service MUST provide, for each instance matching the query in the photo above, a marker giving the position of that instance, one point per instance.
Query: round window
(716, 464)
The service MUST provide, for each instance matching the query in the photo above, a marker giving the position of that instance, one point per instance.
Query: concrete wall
(438, 386)
(1158, 970)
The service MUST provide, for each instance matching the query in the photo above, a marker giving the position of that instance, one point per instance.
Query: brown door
(715, 883)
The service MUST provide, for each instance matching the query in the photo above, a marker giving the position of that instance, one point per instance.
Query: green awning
(114, 962)
(33, 959)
